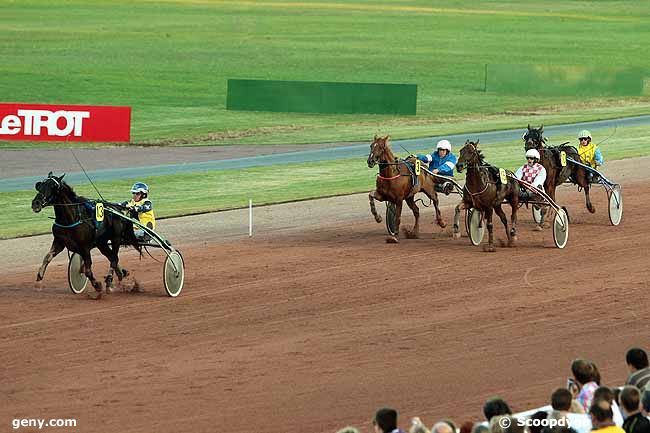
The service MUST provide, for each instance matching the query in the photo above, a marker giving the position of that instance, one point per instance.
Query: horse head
(379, 151)
(47, 191)
(469, 155)
(534, 138)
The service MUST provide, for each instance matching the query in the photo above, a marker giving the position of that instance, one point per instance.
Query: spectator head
(480, 428)
(537, 427)
(604, 392)
(645, 402)
(494, 407)
(595, 373)
(496, 424)
(385, 420)
(561, 399)
(443, 427)
(630, 398)
(417, 426)
(636, 359)
(584, 371)
(466, 427)
(514, 426)
(601, 413)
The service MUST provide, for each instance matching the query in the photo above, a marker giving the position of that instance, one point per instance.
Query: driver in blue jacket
(441, 162)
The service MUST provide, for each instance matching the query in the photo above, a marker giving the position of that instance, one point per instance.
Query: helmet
(140, 187)
(444, 144)
(532, 153)
(584, 133)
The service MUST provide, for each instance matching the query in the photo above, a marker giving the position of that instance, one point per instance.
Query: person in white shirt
(534, 173)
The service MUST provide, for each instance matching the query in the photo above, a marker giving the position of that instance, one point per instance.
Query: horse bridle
(40, 196)
(472, 164)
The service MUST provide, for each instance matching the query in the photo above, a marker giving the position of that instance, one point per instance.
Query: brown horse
(485, 191)
(394, 184)
(556, 174)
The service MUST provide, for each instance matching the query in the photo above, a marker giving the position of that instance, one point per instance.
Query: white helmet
(444, 144)
(532, 153)
(584, 134)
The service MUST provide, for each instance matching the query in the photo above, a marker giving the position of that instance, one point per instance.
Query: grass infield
(170, 60)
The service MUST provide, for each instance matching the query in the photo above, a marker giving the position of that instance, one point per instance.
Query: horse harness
(410, 167)
(89, 205)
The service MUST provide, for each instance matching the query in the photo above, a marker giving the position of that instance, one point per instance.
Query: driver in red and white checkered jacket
(532, 172)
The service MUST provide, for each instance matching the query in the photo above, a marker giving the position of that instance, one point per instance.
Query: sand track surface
(315, 322)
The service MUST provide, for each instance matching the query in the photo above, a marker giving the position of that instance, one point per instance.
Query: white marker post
(250, 218)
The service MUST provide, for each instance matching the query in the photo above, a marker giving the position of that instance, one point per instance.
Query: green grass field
(216, 190)
(170, 60)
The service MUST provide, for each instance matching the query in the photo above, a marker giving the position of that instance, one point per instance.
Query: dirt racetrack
(310, 327)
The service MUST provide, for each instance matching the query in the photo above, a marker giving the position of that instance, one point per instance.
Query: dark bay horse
(394, 184)
(485, 191)
(75, 228)
(556, 174)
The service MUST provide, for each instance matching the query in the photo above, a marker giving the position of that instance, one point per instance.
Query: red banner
(42, 122)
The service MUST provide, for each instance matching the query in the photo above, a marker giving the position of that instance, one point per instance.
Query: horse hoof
(39, 277)
(514, 238)
(489, 249)
(392, 240)
(378, 218)
(592, 209)
(456, 235)
(411, 235)
(538, 228)
(94, 296)
(125, 273)
(442, 224)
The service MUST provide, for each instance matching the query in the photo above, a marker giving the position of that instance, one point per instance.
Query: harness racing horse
(485, 191)
(395, 184)
(76, 228)
(556, 174)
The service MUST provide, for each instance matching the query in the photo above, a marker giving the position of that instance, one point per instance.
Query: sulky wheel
(77, 280)
(561, 228)
(174, 273)
(475, 226)
(391, 225)
(615, 206)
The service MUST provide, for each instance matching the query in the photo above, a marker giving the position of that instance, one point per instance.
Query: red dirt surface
(314, 329)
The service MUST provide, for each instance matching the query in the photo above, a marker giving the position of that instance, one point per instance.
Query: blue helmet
(140, 187)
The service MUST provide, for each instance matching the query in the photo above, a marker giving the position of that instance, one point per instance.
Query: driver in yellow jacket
(589, 152)
(141, 208)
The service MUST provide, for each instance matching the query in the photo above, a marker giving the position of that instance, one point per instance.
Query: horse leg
(433, 196)
(398, 217)
(372, 196)
(490, 227)
(513, 222)
(414, 233)
(88, 262)
(590, 206)
(457, 210)
(504, 220)
(112, 258)
(56, 248)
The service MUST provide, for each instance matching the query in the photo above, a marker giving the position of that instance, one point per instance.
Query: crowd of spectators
(583, 406)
